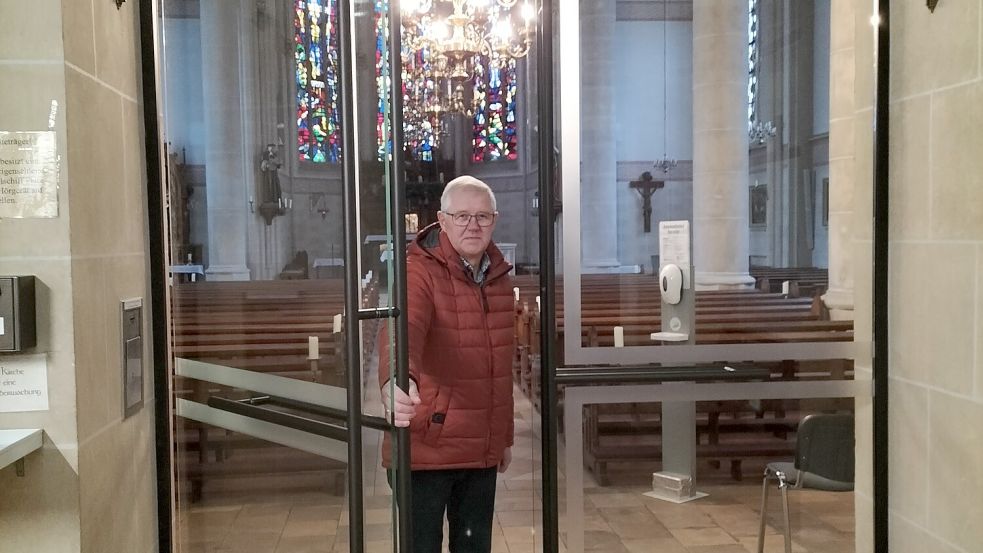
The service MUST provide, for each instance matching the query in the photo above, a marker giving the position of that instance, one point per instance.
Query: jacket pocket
(437, 415)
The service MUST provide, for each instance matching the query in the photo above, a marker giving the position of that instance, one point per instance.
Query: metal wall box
(18, 314)
(131, 333)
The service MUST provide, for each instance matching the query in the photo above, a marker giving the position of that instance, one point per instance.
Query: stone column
(842, 165)
(598, 195)
(226, 189)
(720, 145)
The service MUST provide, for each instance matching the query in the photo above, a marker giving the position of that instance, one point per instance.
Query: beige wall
(91, 489)
(936, 277)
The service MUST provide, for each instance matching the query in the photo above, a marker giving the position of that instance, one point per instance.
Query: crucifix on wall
(646, 186)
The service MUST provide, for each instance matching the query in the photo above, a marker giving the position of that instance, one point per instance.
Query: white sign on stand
(28, 174)
(674, 247)
(23, 383)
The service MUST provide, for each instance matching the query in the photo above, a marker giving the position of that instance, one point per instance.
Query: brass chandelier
(452, 37)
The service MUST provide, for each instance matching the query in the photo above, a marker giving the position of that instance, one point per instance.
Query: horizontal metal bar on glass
(308, 392)
(275, 433)
(272, 412)
(576, 397)
(587, 376)
(710, 353)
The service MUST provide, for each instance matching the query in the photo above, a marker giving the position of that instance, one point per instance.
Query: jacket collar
(432, 242)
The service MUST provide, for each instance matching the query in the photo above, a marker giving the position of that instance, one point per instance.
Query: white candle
(336, 325)
(313, 352)
(515, 293)
(619, 336)
(537, 304)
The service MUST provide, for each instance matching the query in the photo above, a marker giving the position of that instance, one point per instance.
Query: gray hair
(465, 182)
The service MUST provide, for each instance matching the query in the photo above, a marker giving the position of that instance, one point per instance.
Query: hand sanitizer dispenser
(675, 286)
(671, 283)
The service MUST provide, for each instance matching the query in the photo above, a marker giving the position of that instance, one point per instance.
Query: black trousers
(467, 496)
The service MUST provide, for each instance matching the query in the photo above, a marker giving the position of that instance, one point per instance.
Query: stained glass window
(494, 123)
(316, 67)
(752, 58)
(420, 118)
(382, 75)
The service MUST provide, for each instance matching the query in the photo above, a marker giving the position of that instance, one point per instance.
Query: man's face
(471, 240)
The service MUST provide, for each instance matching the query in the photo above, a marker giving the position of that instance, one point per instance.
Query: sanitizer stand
(675, 481)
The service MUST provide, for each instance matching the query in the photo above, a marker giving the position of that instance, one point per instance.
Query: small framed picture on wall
(758, 197)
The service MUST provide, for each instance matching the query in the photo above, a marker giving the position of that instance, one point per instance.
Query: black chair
(823, 461)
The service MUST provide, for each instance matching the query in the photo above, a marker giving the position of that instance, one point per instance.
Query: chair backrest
(824, 446)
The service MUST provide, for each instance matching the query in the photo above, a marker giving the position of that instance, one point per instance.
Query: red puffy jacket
(461, 343)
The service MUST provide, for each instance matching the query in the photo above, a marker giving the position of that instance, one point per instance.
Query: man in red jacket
(459, 403)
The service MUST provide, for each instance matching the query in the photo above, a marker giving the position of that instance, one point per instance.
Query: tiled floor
(618, 518)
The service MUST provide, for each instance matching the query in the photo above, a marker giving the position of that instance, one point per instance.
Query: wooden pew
(259, 326)
(731, 431)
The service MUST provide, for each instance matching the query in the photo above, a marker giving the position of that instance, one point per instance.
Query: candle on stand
(313, 351)
(336, 324)
(537, 304)
(515, 293)
(619, 336)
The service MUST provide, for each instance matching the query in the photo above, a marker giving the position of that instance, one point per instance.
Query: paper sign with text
(23, 383)
(28, 174)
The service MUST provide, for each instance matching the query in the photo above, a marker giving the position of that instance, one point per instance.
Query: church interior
(729, 144)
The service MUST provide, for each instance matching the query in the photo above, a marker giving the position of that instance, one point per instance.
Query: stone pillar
(226, 189)
(598, 193)
(842, 165)
(720, 145)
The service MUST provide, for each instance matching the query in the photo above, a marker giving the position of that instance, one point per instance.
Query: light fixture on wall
(319, 204)
(452, 35)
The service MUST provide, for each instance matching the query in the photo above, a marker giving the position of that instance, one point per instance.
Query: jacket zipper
(491, 366)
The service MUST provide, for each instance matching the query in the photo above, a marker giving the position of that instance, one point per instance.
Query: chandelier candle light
(454, 34)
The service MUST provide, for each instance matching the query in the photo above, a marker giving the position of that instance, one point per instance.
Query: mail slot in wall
(18, 326)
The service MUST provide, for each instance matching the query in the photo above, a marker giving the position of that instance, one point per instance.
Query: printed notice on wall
(674, 243)
(28, 174)
(23, 383)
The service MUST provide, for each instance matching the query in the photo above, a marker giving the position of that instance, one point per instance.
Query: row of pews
(796, 281)
(262, 326)
(733, 431)
(267, 326)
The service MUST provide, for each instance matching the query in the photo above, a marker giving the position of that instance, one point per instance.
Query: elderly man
(459, 403)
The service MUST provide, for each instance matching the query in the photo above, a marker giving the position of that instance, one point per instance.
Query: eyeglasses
(463, 218)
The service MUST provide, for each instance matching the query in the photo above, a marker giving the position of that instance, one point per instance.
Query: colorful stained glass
(420, 118)
(493, 104)
(494, 125)
(316, 66)
(383, 138)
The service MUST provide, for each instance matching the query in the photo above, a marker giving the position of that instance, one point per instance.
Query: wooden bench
(722, 317)
(261, 326)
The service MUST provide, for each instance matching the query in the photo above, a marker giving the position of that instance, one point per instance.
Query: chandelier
(759, 132)
(444, 41)
(665, 164)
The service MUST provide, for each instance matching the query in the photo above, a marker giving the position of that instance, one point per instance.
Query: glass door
(714, 295)
(279, 202)
(308, 142)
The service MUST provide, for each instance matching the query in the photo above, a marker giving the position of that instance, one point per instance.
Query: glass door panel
(709, 243)
(279, 237)
(263, 280)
